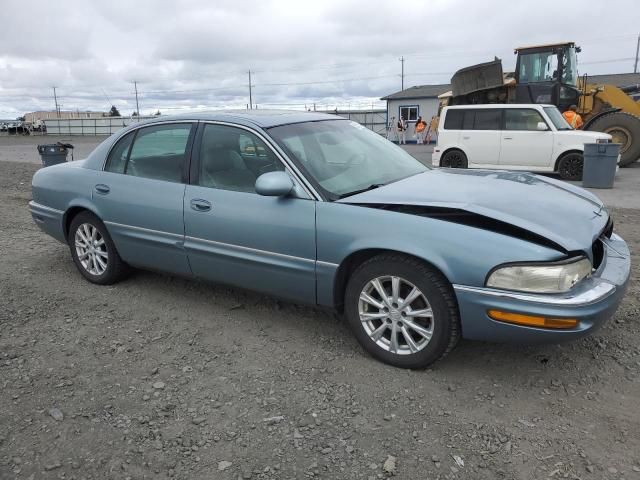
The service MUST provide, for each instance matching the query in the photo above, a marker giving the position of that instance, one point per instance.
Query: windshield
(556, 117)
(538, 67)
(343, 157)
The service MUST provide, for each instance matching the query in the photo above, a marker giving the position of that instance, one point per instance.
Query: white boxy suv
(511, 137)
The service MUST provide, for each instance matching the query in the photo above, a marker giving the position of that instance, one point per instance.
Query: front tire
(570, 166)
(402, 311)
(93, 250)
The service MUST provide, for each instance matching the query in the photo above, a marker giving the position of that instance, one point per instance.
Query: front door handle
(200, 205)
(507, 138)
(102, 189)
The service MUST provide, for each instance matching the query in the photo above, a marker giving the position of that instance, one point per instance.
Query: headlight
(540, 278)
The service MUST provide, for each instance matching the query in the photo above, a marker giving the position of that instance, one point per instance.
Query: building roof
(617, 79)
(420, 91)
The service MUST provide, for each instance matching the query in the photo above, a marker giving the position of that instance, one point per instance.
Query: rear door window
(159, 152)
(487, 119)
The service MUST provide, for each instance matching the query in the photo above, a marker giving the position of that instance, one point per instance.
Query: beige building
(35, 117)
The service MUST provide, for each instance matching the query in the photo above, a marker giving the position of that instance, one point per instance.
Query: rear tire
(454, 159)
(625, 129)
(93, 251)
(425, 328)
(570, 166)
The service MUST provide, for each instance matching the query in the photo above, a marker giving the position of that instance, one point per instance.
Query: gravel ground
(160, 377)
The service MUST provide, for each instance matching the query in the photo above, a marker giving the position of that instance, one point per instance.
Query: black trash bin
(54, 153)
(600, 164)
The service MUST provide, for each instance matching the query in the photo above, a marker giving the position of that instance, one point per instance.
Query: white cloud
(186, 53)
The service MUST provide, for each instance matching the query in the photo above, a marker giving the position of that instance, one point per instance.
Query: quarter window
(118, 156)
(159, 152)
(232, 159)
(409, 113)
(521, 119)
(453, 120)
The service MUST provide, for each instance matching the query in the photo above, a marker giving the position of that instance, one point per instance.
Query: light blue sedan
(317, 209)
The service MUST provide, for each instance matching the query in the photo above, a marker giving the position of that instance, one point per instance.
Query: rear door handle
(507, 138)
(200, 205)
(102, 189)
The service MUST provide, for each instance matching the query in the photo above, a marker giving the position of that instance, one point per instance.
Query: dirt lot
(161, 377)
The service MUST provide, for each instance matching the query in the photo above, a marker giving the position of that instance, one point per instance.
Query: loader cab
(548, 74)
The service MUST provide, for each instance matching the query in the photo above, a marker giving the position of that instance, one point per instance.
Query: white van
(511, 137)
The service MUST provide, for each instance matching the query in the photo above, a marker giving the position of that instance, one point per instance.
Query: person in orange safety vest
(573, 118)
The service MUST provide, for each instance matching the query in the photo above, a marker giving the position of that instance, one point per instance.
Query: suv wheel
(454, 159)
(570, 166)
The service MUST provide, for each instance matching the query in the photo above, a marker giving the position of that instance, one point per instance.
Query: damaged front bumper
(591, 302)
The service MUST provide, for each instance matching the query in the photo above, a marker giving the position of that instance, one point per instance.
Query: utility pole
(55, 99)
(635, 65)
(402, 71)
(135, 85)
(250, 97)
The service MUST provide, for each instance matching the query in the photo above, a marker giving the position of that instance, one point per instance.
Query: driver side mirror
(542, 127)
(274, 184)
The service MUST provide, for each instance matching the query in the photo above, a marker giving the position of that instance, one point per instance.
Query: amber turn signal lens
(532, 320)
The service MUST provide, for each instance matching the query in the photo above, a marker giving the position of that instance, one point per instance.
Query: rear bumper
(48, 219)
(435, 157)
(592, 302)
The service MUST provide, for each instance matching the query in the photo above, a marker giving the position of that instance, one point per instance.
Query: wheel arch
(598, 116)
(71, 212)
(357, 258)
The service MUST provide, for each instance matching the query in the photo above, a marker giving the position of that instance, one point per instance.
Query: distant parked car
(321, 210)
(513, 137)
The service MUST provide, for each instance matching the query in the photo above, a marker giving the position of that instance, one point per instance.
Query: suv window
(118, 155)
(159, 152)
(488, 119)
(473, 119)
(521, 119)
(232, 159)
(453, 120)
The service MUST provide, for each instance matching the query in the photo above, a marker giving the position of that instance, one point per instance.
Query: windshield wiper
(366, 189)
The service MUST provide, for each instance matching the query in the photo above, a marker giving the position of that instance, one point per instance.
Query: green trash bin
(54, 153)
(600, 164)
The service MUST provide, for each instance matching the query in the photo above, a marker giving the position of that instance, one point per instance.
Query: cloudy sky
(188, 54)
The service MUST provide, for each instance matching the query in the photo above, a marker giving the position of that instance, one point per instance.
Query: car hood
(582, 136)
(562, 213)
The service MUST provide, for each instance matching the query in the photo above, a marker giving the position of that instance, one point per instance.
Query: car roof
(259, 118)
(501, 105)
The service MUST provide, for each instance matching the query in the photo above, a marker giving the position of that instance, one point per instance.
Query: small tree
(20, 119)
(134, 114)
(157, 114)
(114, 111)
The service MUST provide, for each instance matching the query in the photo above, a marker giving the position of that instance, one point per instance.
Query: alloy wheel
(396, 315)
(91, 249)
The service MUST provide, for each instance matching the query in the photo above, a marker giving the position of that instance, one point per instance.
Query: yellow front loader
(548, 74)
